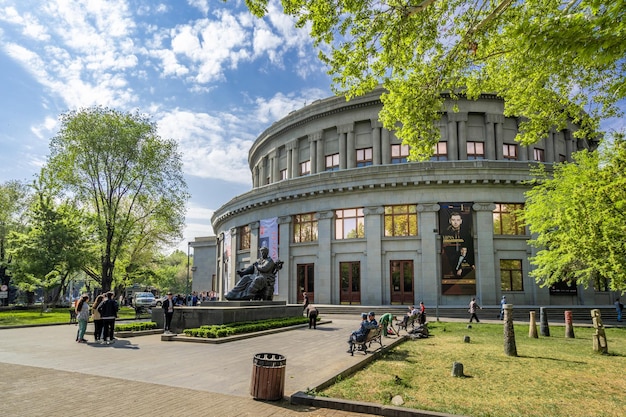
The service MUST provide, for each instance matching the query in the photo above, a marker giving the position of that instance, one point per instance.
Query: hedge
(223, 330)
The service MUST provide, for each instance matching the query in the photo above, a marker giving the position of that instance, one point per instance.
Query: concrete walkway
(44, 372)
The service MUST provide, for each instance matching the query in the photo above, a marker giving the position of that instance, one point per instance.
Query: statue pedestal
(222, 312)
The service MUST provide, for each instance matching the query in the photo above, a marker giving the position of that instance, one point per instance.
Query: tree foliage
(550, 60)
(125, 178)
(54, 245)
(578, 219)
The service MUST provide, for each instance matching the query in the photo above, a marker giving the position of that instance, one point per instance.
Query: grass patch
(552, 376)
(35, 316)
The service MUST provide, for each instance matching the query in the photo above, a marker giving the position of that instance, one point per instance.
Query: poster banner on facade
(268, 237)
(226, 262)
(457, 249)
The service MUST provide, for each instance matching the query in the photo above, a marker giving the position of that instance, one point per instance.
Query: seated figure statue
(257, 280)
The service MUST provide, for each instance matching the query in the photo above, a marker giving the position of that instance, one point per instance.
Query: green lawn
(56, 315)
(552, 376)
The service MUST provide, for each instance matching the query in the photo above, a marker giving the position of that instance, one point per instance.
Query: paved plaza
(46, 373)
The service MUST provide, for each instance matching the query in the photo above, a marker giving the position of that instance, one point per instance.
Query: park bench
(374, 335)
(72, 316)
(404, 325)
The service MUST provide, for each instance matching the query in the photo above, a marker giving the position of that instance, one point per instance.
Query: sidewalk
(46, 373)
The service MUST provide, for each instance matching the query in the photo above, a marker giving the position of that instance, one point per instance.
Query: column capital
(457, 117)
(375, 123)
(494, 118)
(284, 220)
(324, 214)
(349, 127)
(254, 225)
(315, 136)
(484, 206)
(373, 210)
(426, 207)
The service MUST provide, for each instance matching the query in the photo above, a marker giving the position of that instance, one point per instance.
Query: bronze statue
(257, 280)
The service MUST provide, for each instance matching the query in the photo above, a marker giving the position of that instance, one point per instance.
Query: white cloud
(46, 129)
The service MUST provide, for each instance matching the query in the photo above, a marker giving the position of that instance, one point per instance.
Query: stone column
(510, 348)
(569, 326)
(350, 150)
(255, 177)
(321, 157)
(232, 261)
(532, 330)
(551, 156)
(490, 139)
(499, 121)
(275, 177)
(544, 330)
(461, 119)
(313, 153)
(295, 160)
(427, 286)
(486, 279)
(385, 147)
(343, 144)
(254, 240)
(286, 278)
(324, 281)
(569, 144)
(373, 293)
(452, 138)
(289, 160)
(376, 151)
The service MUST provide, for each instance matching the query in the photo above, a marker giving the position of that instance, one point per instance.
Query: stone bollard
(544, 330)
(466, 339)
(457, 369)
(510, 349)
(532, 330)
(569, 326)
(599, 338)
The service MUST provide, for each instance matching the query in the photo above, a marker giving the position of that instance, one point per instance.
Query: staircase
(555, 314)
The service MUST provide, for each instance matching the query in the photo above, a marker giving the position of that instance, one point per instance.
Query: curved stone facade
(355, 223)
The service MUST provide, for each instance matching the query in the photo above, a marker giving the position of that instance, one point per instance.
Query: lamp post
(187, 293)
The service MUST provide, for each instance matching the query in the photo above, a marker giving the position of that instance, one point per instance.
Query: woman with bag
(82, 315)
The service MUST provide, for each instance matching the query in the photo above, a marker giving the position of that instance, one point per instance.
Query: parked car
(159, 301)
(143, 299)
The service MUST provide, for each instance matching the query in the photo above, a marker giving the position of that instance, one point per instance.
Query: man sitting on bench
(360, 335)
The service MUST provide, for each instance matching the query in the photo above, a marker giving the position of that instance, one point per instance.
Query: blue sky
(211, 76)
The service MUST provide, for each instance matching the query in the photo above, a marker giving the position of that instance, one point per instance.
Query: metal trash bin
(268, 376)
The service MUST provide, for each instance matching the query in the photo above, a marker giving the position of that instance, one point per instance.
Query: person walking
(168, 310)
(108, 310)
(422, 313)
(473, 307)
(305, 302)
(82, 315)
(312, 313)
(97, 318)
(619, 308)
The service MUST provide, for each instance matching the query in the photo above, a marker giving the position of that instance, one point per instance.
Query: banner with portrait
(268, 237)
(226, 262)
(458, 266)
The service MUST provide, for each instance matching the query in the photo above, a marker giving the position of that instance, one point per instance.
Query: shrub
(134, 327)
(223, 330)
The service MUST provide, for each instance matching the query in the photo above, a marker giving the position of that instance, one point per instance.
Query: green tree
(577, 217)
(548, 59)
(125, 177)
(54, 246)
(13, 202)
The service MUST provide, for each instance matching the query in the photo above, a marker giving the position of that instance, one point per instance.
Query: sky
(207, 72)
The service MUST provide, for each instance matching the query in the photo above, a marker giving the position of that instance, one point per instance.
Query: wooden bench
(374, 335)
(404, 325)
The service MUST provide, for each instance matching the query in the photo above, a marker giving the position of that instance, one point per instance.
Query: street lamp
(187, 293)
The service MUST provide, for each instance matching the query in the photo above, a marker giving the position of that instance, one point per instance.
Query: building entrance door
(401, 282)
(306, 282)
(350, 277)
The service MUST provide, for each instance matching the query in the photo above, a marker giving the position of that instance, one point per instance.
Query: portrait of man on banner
(457, 249)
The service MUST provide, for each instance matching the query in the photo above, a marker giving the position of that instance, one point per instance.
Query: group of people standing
(103, 311)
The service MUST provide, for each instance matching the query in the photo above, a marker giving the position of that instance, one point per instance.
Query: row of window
(401, 279)
(399, 220)
(400, 153)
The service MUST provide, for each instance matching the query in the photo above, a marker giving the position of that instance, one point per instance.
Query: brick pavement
(44, 372)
